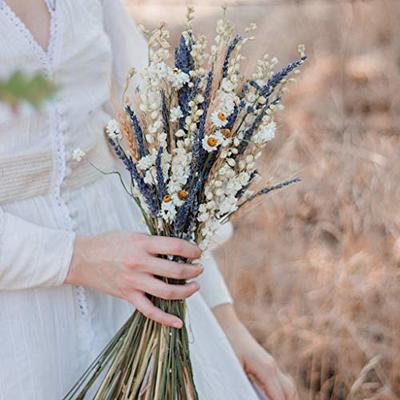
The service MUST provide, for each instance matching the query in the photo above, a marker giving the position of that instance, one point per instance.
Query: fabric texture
(50, 331)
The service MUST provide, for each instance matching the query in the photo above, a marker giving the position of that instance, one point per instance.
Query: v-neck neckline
(46, 54)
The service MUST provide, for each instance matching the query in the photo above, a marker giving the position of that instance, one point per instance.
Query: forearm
(225, 313)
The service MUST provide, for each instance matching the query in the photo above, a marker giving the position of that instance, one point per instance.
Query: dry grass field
(315, 269)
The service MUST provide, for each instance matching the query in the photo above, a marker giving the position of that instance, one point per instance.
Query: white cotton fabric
(49, 331)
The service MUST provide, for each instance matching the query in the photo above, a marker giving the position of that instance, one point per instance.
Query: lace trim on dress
(45, 57)
(61, 168)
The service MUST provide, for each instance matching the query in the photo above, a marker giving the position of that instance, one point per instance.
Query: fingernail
(178, 324)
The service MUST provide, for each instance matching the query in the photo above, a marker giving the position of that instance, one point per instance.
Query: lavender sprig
(277, 78)
(146, 191)
(262, 192)
(165, 112)
(120, 153)
(160, 175)
(138, 131)
(229, 52)
(184, 211)
(250, 132)
(183, 58)
(281, 185)
(232, 118)
(198, 151)
(184, 62)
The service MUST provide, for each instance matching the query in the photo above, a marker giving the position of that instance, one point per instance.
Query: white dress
(49, 331)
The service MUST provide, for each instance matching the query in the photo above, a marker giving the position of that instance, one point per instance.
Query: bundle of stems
(145, 360)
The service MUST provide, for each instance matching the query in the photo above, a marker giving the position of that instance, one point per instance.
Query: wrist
(75, 268)
(226, 316)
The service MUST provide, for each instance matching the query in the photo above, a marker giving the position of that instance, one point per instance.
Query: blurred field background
(315, 269)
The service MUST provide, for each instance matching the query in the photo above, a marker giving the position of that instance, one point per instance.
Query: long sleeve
(129, 47)
(32, 255)
(130, 50)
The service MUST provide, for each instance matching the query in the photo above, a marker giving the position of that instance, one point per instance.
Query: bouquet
(189, 137)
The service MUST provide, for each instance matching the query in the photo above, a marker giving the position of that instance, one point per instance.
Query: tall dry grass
(315, 270)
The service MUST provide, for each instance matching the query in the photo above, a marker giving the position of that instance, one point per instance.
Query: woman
(72, 268)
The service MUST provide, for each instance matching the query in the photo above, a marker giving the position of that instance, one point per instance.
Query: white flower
(203, 213)
(178, 78)
(113, 130)
(227, 102)
(149, 176)
(219, 118)
(78, 154)
(227, 85)
(176, 113)
(180, 169)
(168, 211)
(228, 205)
(147, 162)
(265, 134)
(211, 142)
(243, 178)
(180, 133)
(251, 97)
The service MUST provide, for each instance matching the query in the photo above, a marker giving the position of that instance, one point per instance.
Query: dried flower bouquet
(190, 138)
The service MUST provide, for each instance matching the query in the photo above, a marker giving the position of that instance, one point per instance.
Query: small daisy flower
(176, 113)
(180, 197)
(211, 142)
(78, 154)
(227, 137)
(219, 118)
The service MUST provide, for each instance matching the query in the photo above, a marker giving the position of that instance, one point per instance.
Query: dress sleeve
(129, 49)
(128, 45)
(212, 284)
(32, 255)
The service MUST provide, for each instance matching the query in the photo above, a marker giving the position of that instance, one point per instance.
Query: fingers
(149, 310)
(269, 378)
(289, 387)
(158, 288)
(172, 246)
(171, 269)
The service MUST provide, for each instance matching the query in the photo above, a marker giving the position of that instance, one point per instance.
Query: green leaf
(21, 88)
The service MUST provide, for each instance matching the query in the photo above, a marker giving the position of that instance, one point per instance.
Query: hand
(256, 361)
(124, 264)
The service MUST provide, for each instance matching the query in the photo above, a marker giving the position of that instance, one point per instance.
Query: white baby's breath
(168, 211)
(113, 130)
(265, 134)
(78, 154)
(175, 114)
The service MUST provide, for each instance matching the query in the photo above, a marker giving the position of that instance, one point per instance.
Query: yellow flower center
(167, 198)
(221, 116)
(226, 132)
(212, 141)
(182, 195)
(175, 70)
